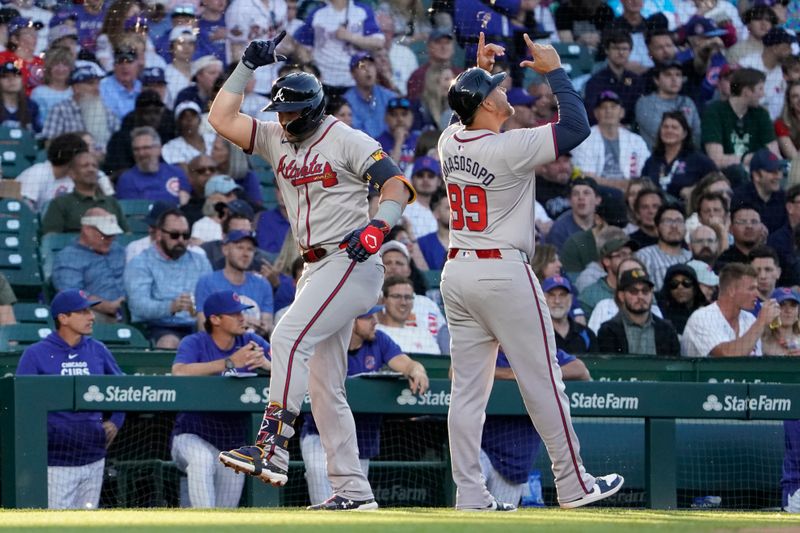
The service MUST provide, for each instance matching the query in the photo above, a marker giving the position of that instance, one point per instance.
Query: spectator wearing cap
(615, 247)
(85, 111)
(399, 139)
(39, 15)
(777, 48)
(219, 191)
(368, 100)
(571, 337)
(154, 79)
(726, 328)
(21, 50)
(88, 19)
(239, 249)
(758, 19)
(635, 329)
(583, 200)
(227, 348)
(785, 339)
(680, 296)
(522, 102)
(58, 64)
(239, 217)
(706, 278)
(347, 29)
(440, 48)
(74, 471)
(433, 246)
(668, 78)
(747, 231)
(205, 71)
(668, 251)
(120, 89)
(426, 177)
(763, 191)
(704, 55)
(182, 45)
(63, 214)
(615, 78)
(783, 240)
(123, 24)
(136, 247)
(735, 130)
(190, 142)
(611, 154)
(213, 29)
(16, 109)
(675, 165)
(63, 34)
(181, 16)
(553, 184)
(580, 249)
(151, 178)
(160, 282)
(149, 111)
(95, 263)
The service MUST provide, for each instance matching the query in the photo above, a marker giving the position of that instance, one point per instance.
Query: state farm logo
(93, 394)
(250, 396)
(429, 398)
(406, 398)
(114, 393)
(737, 404)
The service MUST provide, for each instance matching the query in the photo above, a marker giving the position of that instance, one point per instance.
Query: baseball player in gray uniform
(490, 293)
(323, 169)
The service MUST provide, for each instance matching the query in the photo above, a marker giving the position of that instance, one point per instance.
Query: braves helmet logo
(279, 96)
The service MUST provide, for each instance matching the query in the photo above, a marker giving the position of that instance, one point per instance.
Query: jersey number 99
(467, 207)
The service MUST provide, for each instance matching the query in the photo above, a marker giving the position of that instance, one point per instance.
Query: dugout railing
(26, 400)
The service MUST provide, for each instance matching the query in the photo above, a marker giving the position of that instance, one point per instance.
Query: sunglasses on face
(685, 283)
(175, 235)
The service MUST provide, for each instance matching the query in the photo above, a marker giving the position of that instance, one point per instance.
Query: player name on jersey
(466, 164)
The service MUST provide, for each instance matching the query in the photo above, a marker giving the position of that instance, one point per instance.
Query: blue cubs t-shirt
(224, 431)
(370, 357)
(163, 184)
(432, 250)
(255, 291)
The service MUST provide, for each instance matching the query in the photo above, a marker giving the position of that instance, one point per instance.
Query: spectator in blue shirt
(76, 441)
(368, 352)
(239, 250)
(583, 200)
(212, 32)
(367, 99)
(182, 15)
(160, 282)
(272, 225)
(225, 348)
(94, 262)
(119, 91)
(399, 139)
(151, 178)
(433, 246)
(87, 17)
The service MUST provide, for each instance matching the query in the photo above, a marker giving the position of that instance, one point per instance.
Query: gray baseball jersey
(493, 299)
(321, 179)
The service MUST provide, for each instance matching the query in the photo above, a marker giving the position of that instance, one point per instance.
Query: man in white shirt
(426, 178)
(725, 328)
(410, 332)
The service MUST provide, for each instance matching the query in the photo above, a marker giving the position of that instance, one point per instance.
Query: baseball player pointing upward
(490, 292)
(323, 169)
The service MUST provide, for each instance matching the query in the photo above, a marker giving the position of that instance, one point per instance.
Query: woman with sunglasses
(680, 296)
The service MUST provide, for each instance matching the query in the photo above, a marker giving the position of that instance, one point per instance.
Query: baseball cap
(395, 246)
(202, 62)
(19, 23)
(608, 96)
(69, 301)
(427, 163)
(372, 311)
(435, 35)
(9, 67)
(7, 14)
(702, 27)
(148, 98)
(106, 224)
(185, 33)
(183, 10)
(612, 209)
(663, 67)
(124, 55)
(705, 274)
(519, 96)
(187, 105)
(136, 23)
(86, 71)
(155, 211)
(765, 159)
(220, 184)
(398, 103)
(781, 294)
(632, 277)
(358, 58)
(616, 243)
(556, 281)
(239, 235)
(153, 75)
(777, 36)
(583, 180)
(240, 207)
(224, 303)
(59, 32)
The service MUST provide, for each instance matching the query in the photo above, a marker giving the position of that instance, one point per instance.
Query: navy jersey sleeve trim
(572, 127)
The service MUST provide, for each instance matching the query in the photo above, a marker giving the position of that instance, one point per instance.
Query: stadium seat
(52, 243)
(16, 218)
(21, 269)
(16, 337)
(268, 196)
(17, 150)
(32, 313)
(576, 59)
(433, 278)
(135, 208)
(119, 336)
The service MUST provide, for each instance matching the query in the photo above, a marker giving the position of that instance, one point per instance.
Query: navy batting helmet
(469, 89)
(299, 91)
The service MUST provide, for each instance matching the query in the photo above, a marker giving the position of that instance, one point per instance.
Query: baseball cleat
(604, 487)
(252, 460)
(340, 503)
(494, 506)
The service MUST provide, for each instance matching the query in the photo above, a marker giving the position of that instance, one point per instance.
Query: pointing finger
(280, 37)
(528, 41)
(481, 42)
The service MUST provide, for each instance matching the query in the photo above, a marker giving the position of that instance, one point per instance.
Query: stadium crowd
(672, 230)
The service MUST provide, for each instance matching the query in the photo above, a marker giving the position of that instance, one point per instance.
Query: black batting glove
(260, 53)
